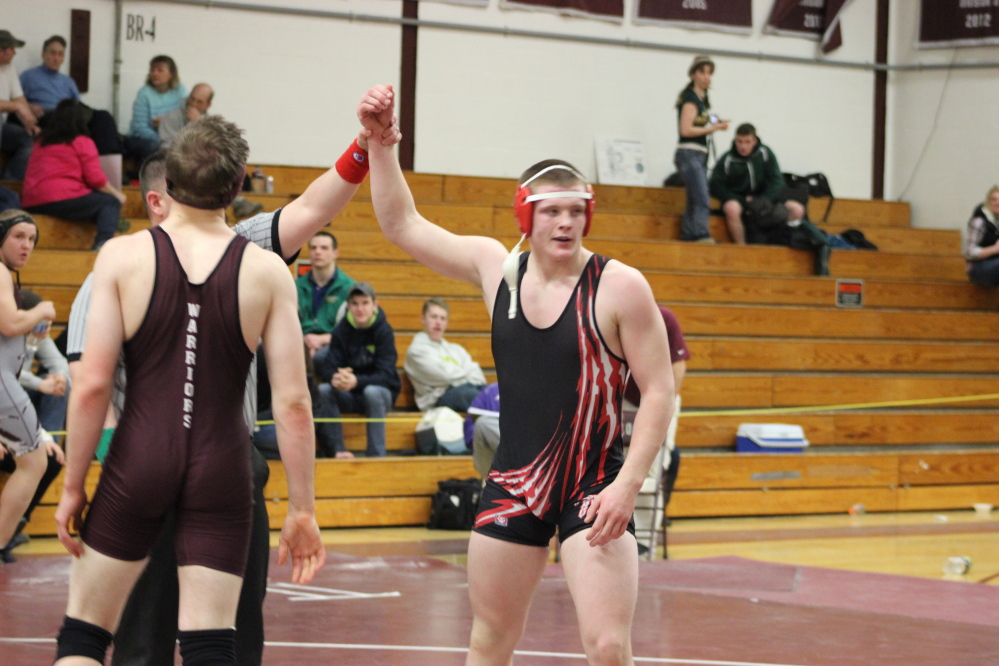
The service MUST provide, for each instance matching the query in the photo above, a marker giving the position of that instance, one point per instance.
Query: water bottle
(35, 336)
(269, 188)
(957, 566)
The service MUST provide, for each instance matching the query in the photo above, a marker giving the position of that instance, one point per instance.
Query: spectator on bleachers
(482, 433)
(15, 139)
(696, 124)
(45, 86)
(55, 460)
(443, 373)
(747, 180)
(329, 435)
(358, 370)
(20, 434)
(193, 108)
(322, 292)
(50, 395)
(981, 246)
(162, 94)
(65, 178)
(8, 199)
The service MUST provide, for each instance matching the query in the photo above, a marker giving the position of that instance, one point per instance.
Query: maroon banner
(945, 23)
(606, 9)
(811, 19)
(832, 36)
(724, 15)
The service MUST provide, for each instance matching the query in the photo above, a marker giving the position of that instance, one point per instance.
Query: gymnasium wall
(943, 127)
(292, 82)
(491, 105)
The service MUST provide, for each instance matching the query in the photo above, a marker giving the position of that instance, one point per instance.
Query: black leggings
(99, 207)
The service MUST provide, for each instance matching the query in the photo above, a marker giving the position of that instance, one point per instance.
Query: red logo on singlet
(584, 506)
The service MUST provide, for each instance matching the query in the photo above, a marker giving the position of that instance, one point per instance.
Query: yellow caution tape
(416, 418)
(844, 407)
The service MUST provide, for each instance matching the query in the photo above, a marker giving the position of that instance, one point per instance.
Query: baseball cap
(8, 40)
(698, 62)
(361, 288)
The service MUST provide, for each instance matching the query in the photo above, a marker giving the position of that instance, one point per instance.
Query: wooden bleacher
(762, 330)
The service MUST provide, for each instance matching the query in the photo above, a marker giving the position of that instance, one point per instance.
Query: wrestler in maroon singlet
(181, 440)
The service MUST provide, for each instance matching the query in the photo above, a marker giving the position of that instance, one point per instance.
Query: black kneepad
(208, 647)
(82, 639)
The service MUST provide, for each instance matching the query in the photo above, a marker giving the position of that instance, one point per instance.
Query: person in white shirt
(443, 373)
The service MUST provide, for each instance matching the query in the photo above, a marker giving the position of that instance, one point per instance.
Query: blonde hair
(988, 195)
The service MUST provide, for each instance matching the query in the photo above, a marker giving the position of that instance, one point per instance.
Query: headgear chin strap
(221, 200)
(523, 202)
(511, 275)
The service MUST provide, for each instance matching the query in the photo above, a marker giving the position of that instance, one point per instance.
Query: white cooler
(770, 438)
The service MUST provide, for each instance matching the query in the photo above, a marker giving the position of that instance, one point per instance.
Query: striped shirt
(261, 230)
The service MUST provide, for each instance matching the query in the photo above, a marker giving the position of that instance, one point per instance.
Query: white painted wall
(949, 119)
(291, 82)
(486, 105)
(494, 105)
(24, 20)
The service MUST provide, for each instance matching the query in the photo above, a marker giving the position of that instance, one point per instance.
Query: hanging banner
(944, 23)
(811, 19)
(723, 15)
(612, 10)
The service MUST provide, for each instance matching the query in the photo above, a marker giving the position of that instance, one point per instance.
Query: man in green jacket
(749, 171)
(322, 292)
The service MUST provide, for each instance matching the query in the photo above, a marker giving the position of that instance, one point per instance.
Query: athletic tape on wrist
(353, 164)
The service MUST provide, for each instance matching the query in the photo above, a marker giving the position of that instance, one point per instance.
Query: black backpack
(856, 238)
(454, 505)
(817, 185)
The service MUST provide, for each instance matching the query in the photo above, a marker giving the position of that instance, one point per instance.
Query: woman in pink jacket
(64, 177)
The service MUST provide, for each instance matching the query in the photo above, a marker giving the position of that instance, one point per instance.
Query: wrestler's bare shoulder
(622, 279)
(125, 253)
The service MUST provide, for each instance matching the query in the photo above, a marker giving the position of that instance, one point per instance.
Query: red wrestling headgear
(523, 202)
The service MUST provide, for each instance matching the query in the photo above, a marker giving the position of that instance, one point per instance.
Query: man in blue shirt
(45, 86)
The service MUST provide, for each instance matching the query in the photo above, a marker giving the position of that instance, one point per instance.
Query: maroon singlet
(181, 441)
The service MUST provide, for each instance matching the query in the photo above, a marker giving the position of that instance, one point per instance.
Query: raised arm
(292, 407)
(324, 198)
(474, 259)
(646, 348)
(93, 379)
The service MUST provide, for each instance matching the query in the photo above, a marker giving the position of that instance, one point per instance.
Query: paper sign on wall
(620, 161)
